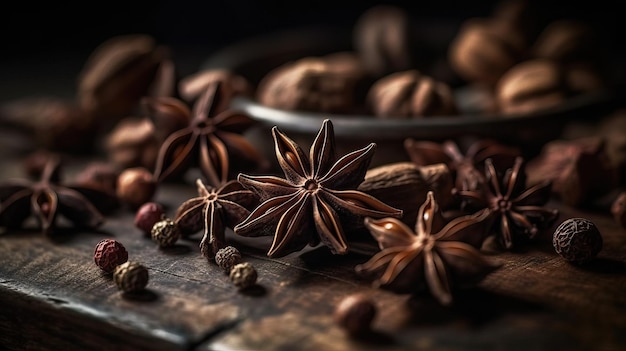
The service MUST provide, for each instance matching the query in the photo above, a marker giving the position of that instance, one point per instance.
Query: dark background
(54, 39)
(31, 29)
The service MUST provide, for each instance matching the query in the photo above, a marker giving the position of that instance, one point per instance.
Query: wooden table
(53, 297)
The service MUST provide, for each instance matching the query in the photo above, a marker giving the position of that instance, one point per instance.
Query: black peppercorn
(227, 257)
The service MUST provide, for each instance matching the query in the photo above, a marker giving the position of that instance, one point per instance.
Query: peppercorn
(147, 215)
(108, 254)
(131, 277)
(577, 240)
(135, 186)
(227, 257)
(355, 314)
(165, 232)
(243, 275)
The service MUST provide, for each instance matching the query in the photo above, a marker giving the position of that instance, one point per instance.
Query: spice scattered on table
(108, 254)
(577, 240)
(131, 277)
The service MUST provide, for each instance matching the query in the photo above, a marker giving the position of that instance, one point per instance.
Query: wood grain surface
(53, 297)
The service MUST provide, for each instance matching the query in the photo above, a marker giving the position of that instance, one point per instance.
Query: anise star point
(315, 199)
(46, 199)
(435, 256)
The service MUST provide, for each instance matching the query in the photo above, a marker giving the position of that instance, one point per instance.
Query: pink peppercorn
(147, 215)
(109, 254)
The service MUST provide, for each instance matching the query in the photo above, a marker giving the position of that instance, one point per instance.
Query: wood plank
(53, 297)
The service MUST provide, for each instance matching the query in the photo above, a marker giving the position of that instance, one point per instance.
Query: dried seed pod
(131, 277)
(108, 254)
(135, 186)
(132, 143)
(227, 257)
(243, 275)
(618, 209)
(410, 94)
(531, 86)
(308, 84)
(117, 74)
(577, 240)
(355, 314)
(382, 38)
(484, 50)
(147, 215)
(165, 232)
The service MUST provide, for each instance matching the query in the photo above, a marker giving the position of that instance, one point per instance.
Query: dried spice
(227, 257)
(577, 240)
(165, 232)
(382, 37)
(117, 74)
(355, 314)
(309, 84)
(211, 140)
(516, 211)
(214, 209)
(410, 94)
(45, 200)
(147, 215)
(243, 275)
(109, 254)
(436, 255)
(579, 169)
(135, 186)
(131, 277)
(465, 166)
(531, 86)
(132, 143)
(192, 86)
(317, 198)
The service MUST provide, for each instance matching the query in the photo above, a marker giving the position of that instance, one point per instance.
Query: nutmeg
(484, 49)
(382, 37)
(117, 74)
(135, 186)
(530, 86)
(577, 240)
(307, 84)
(410, 94)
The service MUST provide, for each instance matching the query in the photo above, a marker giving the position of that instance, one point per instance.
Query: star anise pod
(437, 256)
(211, 140)
(516, 211)
(214, 209)
(316, 200)
(45, 199)
(466, 166)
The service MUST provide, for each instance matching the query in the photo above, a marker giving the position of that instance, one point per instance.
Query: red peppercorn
(108, 254)
(147, 215)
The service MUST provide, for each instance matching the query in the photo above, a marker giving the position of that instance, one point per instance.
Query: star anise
(468, 176)
(438, 256)
(214, 209)
(317, 199)
(211, 140)
(516, 211)
(45, 199)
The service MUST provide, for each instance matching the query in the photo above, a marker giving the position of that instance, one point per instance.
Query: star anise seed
(316, 200)
(516, 211)
(210, 140)
(214, 209)
(434, 256)
(45, 199)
